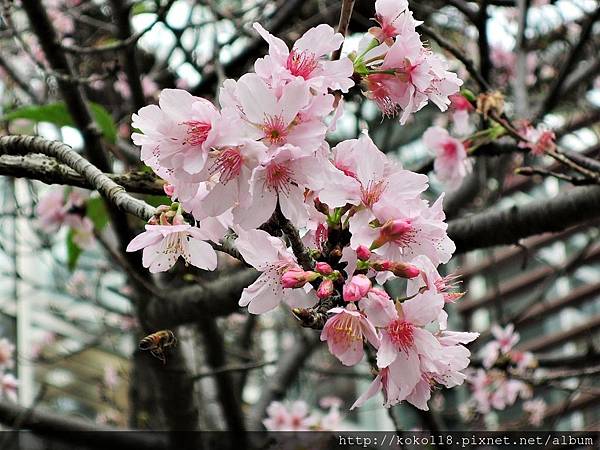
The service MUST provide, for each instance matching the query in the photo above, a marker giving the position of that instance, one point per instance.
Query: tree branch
(114, 193)
(507, 226)
(188, 304)
(50, 171)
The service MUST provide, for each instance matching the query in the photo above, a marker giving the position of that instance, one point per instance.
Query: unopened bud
(363, 253)
(325, 289)
(382, 266)
(297, 278)
(405, 270)
(356, 288)
(323, 268)
(169, 189)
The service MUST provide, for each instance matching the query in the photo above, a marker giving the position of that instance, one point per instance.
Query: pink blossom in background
(494, 390)
(536, 409)
(50, 210)
(539, 139)
(460, 108)
(111, 377)
(7, 349)
(344, 332)
(8, 387)
(451, 163)
(296, 417)
(504, 340)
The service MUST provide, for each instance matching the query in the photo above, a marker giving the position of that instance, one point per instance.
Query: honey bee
(158, 342)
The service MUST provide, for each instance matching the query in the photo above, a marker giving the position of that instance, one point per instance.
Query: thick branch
(188, 304)
(75, 431)
(507, 226)
(114, 193)
(49, 171)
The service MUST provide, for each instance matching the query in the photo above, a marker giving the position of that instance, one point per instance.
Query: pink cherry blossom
(282, 177)
(306, 61)
(424, 231)
(369, 176)
(178, 133)
(393, 17)
(272, 119)
(384, 383)
(409, 350)
(269, 255)
(164, 244)
(451, 163)
(344, 333)
(378, 307)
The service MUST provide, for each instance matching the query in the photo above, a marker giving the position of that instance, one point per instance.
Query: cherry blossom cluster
(397, 70)
(260, 162)
(66, 207)
(297, 416)
(492, 386)
(8, 382)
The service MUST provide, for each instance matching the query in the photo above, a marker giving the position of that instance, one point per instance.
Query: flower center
(346, 329)
(197, 132)
(275, 130)
(301, 64)
(450, 149)
(372, 192)
(228, 164)
(380, 94)
(402, 334)
(278, 178)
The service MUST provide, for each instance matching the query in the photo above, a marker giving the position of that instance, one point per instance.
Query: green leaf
(157, 200)
(55, 113)
(58, 114)
(469, 95)
(105, 122)
(73, 251)
(96, 210)
(142, 8)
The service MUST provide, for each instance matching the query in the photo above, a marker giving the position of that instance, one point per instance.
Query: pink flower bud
(323, 268)
(169, 189)
(296, 278)
(405, 270)
(325, 289)
(382, 266)
(356, 288)
(363, 253)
